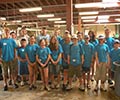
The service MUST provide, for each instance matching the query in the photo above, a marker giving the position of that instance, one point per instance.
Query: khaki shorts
(10, 65)
(75, 70)
(101, 72)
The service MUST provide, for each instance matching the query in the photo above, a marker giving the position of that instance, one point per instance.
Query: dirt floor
(23, 93)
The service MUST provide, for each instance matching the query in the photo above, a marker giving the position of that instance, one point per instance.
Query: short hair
(44, 28)
(23, 40)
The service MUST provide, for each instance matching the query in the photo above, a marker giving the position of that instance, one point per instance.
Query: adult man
(8, 56)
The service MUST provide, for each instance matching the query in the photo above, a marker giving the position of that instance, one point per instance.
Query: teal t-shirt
(8, 46)
(102, 51)
(89, 51)
(43, 54)
(75, 53)
(55, 54)
(31, 50)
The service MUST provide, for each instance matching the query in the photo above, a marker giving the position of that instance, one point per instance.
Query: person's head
(53, 40)
(116, 43)
(44, 31)
(91, 33)
(74, 39)
(13, 35)
(23, 42)
(67, 38)
(23, 31)
(86, 38)
(54, 43)
(42, 43)
(107, 32)
(101, 39)
(80, 35)
(7, 32)
(57, 32)
(32, 39)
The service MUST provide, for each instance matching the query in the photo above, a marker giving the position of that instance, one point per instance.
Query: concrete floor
(22, 93)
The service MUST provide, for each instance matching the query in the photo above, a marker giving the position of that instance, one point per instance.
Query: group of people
(72, 55)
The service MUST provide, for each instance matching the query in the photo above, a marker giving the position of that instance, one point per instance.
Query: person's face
(101, 41)
(67, 39)
(74, 40)
(23, 32)
(42, 43)
(107, 32)
(79, 36)
(116, 45)
(13, 35)
(54, 40)
(23, 43)
(32, 39)
(44, 31)
(7, 32)
(87, 39)
(57, 32)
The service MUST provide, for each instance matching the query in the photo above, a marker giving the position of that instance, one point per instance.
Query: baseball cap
(116, 41)
(74, 36)
(101, 37)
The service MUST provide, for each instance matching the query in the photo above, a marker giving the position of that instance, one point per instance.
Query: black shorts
(85, 69)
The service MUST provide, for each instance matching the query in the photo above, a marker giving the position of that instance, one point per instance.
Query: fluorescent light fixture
(110, 0)
(30, 9)
(60, 22)
(97, 5)
(54, 19)
(102, 21)
(88, 17)
(117, 19)
(92, 20)
(17, 21)
(103, 17)
(89, 13)
(2, 18)
(45, 15)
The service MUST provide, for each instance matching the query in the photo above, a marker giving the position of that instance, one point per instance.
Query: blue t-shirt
(75, 53)
(88, 54)
(95, 42)
(66, 48)
(102, 51)
(31, 50)
(115, 56)
(59, 38)
(81, 42)
(21, 52)
(43, 54)
(55, 54)
(110, 42)
(8, 46)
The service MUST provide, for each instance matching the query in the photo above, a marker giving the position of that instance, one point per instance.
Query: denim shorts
(54, 69)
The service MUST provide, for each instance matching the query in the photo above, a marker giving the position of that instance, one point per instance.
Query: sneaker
(30, 87)
(82, 88)
(64, 87)
(34, 87)
(52, 86)
(5, 88)
(42, 88)
(10, 82)
(22, 83)
(15, 86)
(69, 87)
(47, 88)
(57, 86)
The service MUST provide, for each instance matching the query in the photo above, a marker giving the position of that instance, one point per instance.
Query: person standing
(30, 52)
(8, 56)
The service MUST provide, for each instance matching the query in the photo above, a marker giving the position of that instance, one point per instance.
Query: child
(102, 62)
(23, 70)
(43, 57)
(88, 59)
(75, 59)
(56, 61)
(114, 57)
(30, 52)
(66, 46)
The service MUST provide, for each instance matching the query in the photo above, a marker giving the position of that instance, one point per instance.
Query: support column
(79, 24)
(69, 15)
